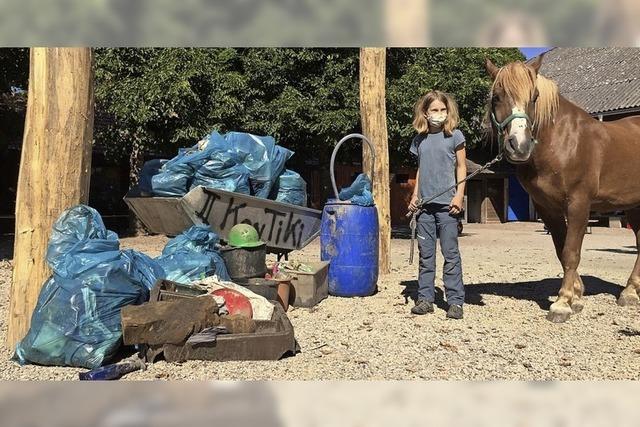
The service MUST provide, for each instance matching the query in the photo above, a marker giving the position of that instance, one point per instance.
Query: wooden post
(55, 167)
(374, 126)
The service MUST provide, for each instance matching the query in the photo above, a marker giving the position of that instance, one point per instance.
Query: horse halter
(502, 126)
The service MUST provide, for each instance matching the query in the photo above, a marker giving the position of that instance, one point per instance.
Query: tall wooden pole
(374, 126)
(55, 167)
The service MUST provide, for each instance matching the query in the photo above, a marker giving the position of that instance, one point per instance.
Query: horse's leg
(629, 295)
(557, 226)
(577, 220)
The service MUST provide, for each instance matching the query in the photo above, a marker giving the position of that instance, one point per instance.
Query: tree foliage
(163, 99)
(14, 72)
(307, 99)
(159, 99)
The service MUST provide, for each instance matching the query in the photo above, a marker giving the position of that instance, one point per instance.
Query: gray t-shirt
(437, 164)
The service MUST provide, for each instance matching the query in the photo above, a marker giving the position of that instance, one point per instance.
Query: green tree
(14, 73)
(306, 98)
(162, 99)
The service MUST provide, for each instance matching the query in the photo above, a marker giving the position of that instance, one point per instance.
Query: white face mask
(437, 119)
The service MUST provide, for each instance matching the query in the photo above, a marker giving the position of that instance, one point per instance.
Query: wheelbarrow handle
(335, 151)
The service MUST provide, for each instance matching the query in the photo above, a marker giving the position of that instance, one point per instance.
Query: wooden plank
(505, 200)
(284, 227)
(55, 167)
(374, 127)
(485, 202)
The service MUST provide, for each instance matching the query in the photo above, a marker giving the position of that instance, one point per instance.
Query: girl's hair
(420, 122)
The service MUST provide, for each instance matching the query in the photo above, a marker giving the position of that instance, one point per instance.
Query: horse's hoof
(577, 306)
(559, 312)
(558, 317)
(627, 300)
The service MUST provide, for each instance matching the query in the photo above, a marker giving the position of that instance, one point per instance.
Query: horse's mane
(517, 81)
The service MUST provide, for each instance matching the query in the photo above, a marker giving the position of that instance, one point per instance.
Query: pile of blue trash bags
(76, 321)
(236, 161)
(359, 192)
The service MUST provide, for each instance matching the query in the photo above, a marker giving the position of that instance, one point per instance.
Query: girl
(440, 148)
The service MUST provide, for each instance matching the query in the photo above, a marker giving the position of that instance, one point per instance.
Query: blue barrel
(349, 241)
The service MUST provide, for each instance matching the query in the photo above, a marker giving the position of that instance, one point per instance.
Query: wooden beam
(484, 212)
(374, 126)
(55, 167)
(505, 199)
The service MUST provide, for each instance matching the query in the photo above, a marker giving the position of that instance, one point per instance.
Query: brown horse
(570, 164)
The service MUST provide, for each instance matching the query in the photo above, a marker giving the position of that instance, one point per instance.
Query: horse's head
(512, 107)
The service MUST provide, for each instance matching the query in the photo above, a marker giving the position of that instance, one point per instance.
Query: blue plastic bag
(359, 192)
(290, 188)
(222, 171)
(263, 187)
(238, 162)
(172, 181)
(262, 157)
(76, 321)
(148, 171)
(254, 152)
(177, 175)
(230, 180)
(193, 255)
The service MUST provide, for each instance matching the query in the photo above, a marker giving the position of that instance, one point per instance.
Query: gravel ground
(512, 276)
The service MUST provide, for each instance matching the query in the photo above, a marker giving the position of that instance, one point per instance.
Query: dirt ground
(511, 276)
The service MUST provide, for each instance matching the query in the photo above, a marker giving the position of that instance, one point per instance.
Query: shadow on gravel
(537, 291)
(631, 250)
(629, 332)
(410, 291)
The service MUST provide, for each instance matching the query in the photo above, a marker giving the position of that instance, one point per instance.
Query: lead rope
(421, 203)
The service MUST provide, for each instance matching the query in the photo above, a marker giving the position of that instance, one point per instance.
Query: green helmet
(244, 236)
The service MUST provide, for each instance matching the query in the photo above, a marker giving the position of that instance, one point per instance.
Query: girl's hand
(455, 208)
(413, 205)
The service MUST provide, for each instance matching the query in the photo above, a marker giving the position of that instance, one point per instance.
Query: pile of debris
(213, 320)
(236, 162)
(201, 299)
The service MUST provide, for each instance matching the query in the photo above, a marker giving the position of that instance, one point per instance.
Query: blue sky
(530, 52)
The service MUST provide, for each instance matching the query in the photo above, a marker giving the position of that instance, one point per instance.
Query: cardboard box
(308, 289)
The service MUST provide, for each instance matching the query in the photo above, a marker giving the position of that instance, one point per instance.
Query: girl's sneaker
(455, 312)
(422, 307)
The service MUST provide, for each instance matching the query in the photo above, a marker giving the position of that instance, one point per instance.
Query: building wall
(403, 181)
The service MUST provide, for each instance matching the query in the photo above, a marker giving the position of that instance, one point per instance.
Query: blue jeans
(432, 222)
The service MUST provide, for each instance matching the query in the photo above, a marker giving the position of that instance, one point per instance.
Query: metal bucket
(245, 263)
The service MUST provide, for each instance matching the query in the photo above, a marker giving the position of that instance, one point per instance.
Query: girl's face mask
(437, 119)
